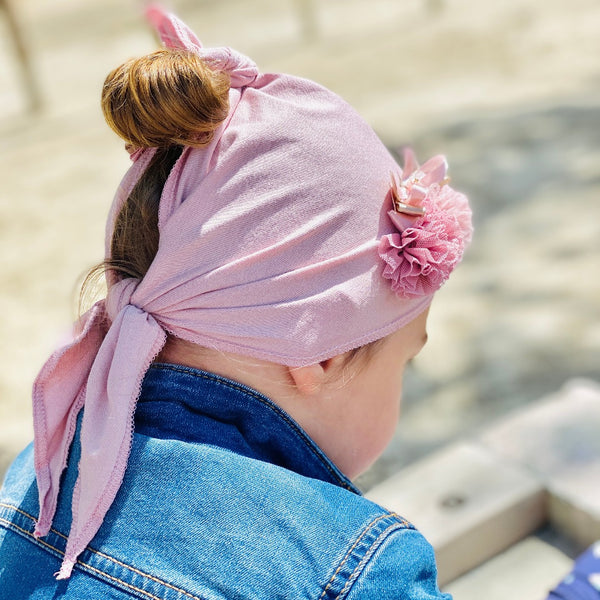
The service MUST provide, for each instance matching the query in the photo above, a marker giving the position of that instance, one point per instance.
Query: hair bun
(170, 97)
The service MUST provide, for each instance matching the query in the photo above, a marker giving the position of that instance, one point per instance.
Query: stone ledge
(558, 441)
(468, 503)
(474, 499)
(528, 570)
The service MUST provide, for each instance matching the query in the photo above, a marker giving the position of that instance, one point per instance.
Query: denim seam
(85, 566)
(374, 546)
(402, 523)
(59, 553)
(117, 580)
(19, 530)
(242, 388)
(11, 507)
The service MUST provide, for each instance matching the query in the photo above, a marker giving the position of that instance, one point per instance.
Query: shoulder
(337, 544)
(220, 509)
(390, 559)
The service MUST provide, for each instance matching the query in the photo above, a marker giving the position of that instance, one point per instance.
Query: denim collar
(196, 406)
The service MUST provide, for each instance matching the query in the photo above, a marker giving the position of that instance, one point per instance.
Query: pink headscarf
(279, 240)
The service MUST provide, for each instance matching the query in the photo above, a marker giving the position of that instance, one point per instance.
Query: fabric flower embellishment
(433, 224)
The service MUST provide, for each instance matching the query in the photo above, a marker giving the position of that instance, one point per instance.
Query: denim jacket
(224, 497)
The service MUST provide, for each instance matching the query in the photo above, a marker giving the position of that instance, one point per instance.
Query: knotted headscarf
(275, 242)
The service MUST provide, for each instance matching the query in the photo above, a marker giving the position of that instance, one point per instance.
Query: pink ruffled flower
(422, 254)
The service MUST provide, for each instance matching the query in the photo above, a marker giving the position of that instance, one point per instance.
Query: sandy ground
(508, 91)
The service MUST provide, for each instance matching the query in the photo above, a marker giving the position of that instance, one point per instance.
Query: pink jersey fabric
(269, 247)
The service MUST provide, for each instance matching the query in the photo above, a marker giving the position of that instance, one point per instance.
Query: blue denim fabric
(224, 497)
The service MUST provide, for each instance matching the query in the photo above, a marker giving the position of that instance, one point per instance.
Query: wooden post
(308, 19)
(31, 88)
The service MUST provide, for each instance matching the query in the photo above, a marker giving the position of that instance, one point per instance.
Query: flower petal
(435, 170)
(410, 163)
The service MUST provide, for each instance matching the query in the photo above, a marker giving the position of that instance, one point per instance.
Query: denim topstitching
(400, 524)
(374, 546)
(59, 553)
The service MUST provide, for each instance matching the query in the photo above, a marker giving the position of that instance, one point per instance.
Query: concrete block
(469, 504)
(558, 440)
(527, 571)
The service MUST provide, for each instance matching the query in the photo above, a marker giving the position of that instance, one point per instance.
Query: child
(269, 271)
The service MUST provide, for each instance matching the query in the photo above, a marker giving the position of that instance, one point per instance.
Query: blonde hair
(169, 97)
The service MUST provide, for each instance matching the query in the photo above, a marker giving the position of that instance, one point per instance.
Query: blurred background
(509, 91)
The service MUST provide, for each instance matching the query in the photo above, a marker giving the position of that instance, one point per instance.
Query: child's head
(283, 250)
(261, 225)
(288, 206)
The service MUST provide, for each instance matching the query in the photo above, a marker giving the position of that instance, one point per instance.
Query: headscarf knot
(174, 33)
(119, 296)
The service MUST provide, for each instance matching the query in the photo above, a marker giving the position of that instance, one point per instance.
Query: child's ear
(309, 380)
